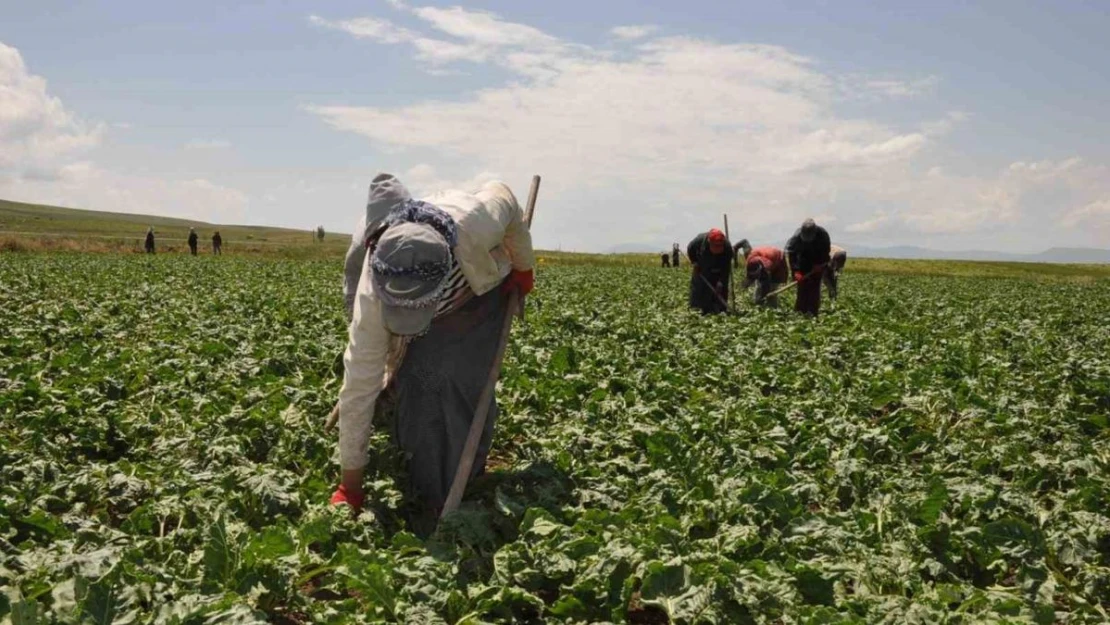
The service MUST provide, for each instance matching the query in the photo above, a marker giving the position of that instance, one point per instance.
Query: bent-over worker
(837, 260)
(666, 259)
(711, 259)
(766, 269)
(808, 253)
(430, 303)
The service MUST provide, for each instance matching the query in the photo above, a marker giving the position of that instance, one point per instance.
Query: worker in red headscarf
(766, 269)
(710, 257)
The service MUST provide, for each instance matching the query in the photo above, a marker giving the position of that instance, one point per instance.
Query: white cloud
(634, 31)
(700, 127)
(37, 134)
(368, 27)
(1094, 215)
(84, 185)
(902, 88)
(689, 121)
(207, 144)
(877, 221)
(424, 180)
(43, 150)
(479, 36)
(483, 28)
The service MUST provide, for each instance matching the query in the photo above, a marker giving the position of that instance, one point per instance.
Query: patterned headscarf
(420, 212)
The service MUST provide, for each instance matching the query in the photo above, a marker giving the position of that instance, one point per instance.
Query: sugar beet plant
(935, 450)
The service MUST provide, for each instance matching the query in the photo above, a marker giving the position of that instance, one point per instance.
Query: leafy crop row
(935, 450)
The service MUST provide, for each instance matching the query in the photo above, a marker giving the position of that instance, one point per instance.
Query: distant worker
(435, 287)
(808, 254)
(766, 269)
(192, 241)
(711, 258)
(217, 243)
(740, 250)
(666, 257)
(149, 245)
(838, 257)
(675, 254)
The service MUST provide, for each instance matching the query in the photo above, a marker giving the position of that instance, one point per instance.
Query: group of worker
(217, 241)
(428, 286)
(809, 258)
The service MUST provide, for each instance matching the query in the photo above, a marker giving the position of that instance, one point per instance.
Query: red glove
(799, 276)
(341, 496)
(522, 281)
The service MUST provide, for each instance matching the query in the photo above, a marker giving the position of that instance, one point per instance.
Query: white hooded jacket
(493, 240)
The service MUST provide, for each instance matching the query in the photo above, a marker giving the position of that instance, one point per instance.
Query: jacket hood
(386, 192)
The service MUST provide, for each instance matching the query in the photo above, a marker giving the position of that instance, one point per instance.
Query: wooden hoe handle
(478, 425)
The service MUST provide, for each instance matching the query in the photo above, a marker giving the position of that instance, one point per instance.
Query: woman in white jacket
(430, 302)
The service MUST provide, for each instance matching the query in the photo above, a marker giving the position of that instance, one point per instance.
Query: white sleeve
(518, 239)
(364, 367)
(352, 267)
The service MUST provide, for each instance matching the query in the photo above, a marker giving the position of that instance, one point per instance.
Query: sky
(950, 125)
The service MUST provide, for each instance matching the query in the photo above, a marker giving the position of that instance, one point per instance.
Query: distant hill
(1052, 255)
(52, 222)
(637, 248)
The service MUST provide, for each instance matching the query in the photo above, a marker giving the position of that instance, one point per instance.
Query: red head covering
(716, 240)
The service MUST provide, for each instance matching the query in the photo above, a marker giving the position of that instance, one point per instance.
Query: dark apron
(435, 393)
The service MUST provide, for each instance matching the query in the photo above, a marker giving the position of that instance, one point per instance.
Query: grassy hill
(40, 227)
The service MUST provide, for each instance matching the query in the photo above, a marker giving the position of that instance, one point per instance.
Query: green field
(937, 449)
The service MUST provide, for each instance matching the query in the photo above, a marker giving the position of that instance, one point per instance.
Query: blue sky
(952, 125)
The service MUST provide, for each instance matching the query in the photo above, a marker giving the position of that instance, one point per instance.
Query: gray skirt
(435, 394)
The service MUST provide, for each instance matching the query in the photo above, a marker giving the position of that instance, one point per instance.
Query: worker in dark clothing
(149, 245)
(217, 243)
(711, 258)
(808, 253)
(666, 258)
(675, 253)
(192, 241)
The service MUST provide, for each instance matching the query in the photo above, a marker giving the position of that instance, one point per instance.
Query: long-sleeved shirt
(713, 266)
(493, 240)
(805, 255)
(353, 265)
(771, 259)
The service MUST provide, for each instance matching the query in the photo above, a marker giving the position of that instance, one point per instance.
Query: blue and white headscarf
(420, 212)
